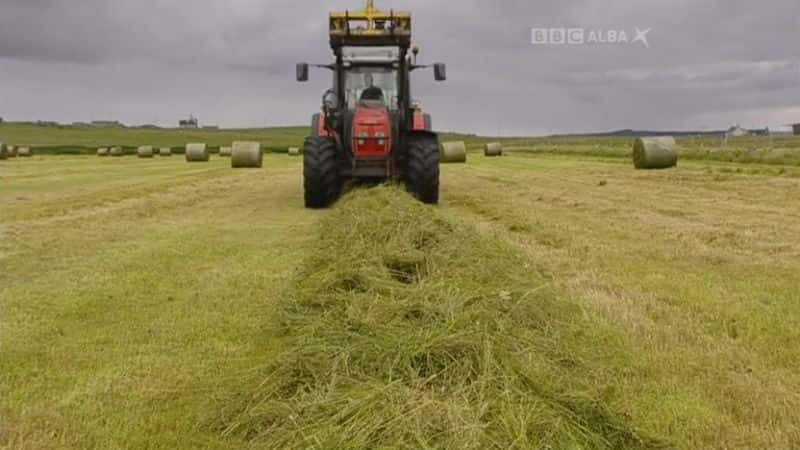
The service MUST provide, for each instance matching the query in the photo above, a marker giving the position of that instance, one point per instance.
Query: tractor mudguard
(318, 125)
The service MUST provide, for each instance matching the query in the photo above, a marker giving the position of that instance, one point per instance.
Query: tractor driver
(372, 92)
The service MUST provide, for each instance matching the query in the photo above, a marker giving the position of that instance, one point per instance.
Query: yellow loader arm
(370, 27)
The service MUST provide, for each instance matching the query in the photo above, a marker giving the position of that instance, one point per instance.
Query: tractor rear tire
(321, 178)
(422, 174)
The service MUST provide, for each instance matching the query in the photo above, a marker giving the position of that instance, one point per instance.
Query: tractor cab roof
(370, 27)
(370, 55)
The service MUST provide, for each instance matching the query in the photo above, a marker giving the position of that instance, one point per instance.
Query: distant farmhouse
(106, 123)
(796, 129)
(737, 131)
(191, 122)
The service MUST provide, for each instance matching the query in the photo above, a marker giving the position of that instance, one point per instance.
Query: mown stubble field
(136, 295)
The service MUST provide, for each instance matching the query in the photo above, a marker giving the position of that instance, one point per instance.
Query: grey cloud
(232, 62)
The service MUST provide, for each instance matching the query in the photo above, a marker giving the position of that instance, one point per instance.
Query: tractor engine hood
(372, 130)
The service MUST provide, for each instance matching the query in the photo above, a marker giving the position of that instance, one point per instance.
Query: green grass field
(556, 298)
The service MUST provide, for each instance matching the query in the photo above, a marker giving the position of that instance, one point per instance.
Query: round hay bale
(493, 149)
(294, 151)
(453, 152)
(246, 154)
(196, 153)
(116, 151)
(655, 153)
(165, 151)
(225, 151)
(24, 152)
(11, 151)
(102, 151)
(145, 151)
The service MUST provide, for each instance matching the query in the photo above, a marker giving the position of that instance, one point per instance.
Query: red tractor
(369, 128)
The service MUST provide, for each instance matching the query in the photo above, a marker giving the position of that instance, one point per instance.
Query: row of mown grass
(405, 328)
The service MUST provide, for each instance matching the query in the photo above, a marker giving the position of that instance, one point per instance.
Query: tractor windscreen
(371, 83)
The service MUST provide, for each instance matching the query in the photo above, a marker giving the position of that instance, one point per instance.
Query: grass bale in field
(294, 151)
(102, 151)
(453, 152)
(246, 154)
(116, 151)
(225, 151)
(165, 151)
(493, 149)
(145, 151)
(11, 151)
(24, 152)
(196, 152)
(655, 153)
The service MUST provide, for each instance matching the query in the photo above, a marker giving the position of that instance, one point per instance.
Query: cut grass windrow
(404, 328)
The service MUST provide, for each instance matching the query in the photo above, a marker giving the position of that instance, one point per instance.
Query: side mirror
(302, 72)
(440, 71)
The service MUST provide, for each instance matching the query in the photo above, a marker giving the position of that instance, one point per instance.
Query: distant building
(759, 132)
(736, 131)
(106, 123)
(796, 129)
(191, 122)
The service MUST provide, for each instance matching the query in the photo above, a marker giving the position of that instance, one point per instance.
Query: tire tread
(422, 177)
(321, 180)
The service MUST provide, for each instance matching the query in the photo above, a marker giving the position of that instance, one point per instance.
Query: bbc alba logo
(583, 36)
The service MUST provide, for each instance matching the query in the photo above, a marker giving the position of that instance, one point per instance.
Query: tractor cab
(371, 74)
(367, 122)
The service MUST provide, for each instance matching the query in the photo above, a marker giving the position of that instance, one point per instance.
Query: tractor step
(370, 167)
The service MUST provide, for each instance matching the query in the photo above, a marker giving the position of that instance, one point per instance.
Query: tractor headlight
(380, 137)
(363, 135)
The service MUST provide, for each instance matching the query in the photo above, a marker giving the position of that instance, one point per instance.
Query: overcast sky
(709, 64)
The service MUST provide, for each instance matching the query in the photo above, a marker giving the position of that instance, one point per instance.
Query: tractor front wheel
(321, 178)
(422, 174)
